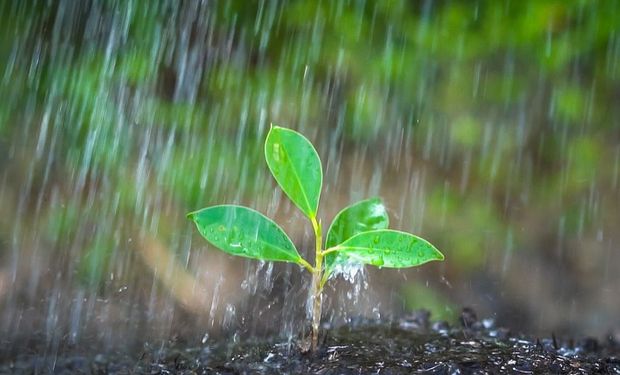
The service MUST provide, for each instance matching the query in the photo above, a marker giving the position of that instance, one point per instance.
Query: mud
(413, 344)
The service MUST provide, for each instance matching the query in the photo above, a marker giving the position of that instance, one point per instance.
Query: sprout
(358, 235)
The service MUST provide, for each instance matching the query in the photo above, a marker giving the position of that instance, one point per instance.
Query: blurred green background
(490, 128)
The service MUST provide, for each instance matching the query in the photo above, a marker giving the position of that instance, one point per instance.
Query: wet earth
(413, 344)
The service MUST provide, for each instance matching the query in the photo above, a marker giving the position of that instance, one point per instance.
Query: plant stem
(317, 285)
(306, 265)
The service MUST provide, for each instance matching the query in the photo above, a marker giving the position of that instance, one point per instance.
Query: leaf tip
(273, 129)
(439, 255)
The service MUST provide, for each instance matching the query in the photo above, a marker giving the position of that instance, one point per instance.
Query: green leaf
(363, 216)
(389, 248)
(296, 166)
(244, 232)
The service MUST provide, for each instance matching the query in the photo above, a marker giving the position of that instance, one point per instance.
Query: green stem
(324, 279)
(331, 250)
(306, 265)
(317, 285)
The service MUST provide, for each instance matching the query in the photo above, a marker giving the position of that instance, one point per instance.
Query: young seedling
(359, 234)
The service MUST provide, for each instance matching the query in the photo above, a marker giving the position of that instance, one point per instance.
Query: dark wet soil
(413, 344)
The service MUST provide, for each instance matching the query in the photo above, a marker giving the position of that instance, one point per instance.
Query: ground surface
(412, 345)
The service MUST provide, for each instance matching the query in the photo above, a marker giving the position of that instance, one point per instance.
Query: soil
(413, 344)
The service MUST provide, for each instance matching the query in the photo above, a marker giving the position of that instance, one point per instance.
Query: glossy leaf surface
(363, 216)
(296, 166)
(244, 232)
(389, 248)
